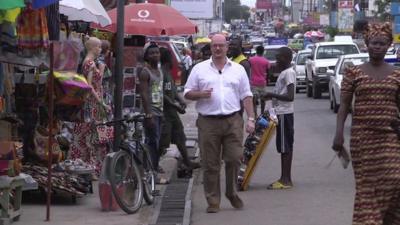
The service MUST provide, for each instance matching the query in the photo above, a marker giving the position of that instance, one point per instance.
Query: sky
(250, 3)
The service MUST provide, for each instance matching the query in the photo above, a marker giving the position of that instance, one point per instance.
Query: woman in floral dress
(374, 143)
(82, 146)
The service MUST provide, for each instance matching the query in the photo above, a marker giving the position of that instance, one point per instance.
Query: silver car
(336, 76)
(299, 67)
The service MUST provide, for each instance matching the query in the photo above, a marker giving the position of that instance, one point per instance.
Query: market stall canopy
(151, 20)
(202, 40)
(85, 10)
(7, 4)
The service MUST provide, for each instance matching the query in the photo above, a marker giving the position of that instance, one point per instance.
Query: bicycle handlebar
(134, 118)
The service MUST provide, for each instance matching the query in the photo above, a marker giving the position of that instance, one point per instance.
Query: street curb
(158, 200)
(188, 204)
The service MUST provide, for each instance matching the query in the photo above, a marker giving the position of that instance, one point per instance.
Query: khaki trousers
(220, 137)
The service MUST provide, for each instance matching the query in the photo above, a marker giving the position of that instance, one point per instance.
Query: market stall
(38, 82)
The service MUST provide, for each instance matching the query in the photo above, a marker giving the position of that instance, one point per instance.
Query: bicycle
(131, 173)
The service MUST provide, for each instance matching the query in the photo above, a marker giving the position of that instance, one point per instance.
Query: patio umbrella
(37, 4)
(4, 5)
(314, 34)
(85, 10)
(152, 20)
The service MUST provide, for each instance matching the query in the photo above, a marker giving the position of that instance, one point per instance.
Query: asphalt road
(321, 195)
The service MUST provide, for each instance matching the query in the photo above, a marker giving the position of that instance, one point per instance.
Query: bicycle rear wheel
(149, 176)
(126, 182)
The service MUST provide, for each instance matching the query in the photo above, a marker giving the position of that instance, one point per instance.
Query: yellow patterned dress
(375, 147)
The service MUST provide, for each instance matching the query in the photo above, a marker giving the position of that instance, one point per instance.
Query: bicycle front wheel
(126, 182)
(149, 176)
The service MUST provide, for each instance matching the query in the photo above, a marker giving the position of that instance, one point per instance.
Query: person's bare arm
(196, 95)
(345, 104)
(144, 78)
(247, 67)
(288, 97)
(248, 106)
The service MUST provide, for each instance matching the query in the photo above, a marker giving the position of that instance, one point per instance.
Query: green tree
(383, 10)
(234, 10)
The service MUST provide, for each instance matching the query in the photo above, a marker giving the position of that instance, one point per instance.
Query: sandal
(162, 180)
(277, 185)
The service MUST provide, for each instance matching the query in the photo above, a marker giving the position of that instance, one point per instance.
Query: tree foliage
(383, 9)
(234, 10)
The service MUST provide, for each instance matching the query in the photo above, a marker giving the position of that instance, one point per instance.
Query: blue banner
(278, 41)
(397, 24)
(395, 8)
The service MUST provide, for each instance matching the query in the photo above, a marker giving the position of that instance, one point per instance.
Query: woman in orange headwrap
(374, 143)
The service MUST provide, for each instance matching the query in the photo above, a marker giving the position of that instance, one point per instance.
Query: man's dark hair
(146, 50)
(286, 53)
(260, 50)
(165, 57)
(360, 26)
(205, 48)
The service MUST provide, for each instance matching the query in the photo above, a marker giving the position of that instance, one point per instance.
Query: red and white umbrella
(151, 20)
(314, 34)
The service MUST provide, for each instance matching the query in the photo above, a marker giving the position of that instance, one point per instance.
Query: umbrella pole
(50, 143)
(118, 73)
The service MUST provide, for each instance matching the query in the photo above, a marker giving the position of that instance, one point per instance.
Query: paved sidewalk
(87, 210)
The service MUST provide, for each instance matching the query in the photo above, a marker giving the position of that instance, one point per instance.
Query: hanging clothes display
(32, 29)
(8, 35)
(53, 21)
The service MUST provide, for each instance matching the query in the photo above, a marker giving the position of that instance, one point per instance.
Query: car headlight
(321, 69)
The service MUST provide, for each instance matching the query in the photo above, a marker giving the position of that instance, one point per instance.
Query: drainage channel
(175, 204)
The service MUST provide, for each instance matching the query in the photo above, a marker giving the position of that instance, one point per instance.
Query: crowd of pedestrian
(224, 84)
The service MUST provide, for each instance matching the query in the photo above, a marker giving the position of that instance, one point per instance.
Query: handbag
(103, 134)
(71, 88)
(10, 164)
(41, 141)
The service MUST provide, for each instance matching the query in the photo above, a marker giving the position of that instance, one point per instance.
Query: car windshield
(302, 58)
(334, 51)
(270, 54)
(352, 62)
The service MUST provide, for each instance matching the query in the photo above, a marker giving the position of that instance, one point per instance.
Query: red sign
(345, 4)
(264, 4)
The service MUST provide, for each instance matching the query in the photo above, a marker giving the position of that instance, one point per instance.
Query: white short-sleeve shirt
(285, 78)
(230, 85)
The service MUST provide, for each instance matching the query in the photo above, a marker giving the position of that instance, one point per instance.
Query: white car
(299, 66)
(336, 76)
(270, 52)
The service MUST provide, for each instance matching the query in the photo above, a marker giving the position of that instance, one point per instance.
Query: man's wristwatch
(148, 116)
(251, 119)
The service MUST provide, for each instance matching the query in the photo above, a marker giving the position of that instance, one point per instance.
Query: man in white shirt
(283, 102)
(187, 62)
(218, 85)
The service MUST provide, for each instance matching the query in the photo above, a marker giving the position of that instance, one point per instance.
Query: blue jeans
(152, 139)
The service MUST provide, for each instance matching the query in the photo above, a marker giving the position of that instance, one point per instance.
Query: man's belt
(219, 116)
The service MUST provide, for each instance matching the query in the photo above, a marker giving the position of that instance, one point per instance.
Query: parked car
(299, 66)
(336, 76)
(324, 57)
(296, 44)
(270, 54)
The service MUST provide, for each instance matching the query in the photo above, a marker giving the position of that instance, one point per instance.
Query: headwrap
(378, 29)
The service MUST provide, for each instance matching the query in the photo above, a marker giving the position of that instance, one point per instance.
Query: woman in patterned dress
(374, 144)
(82, 146)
